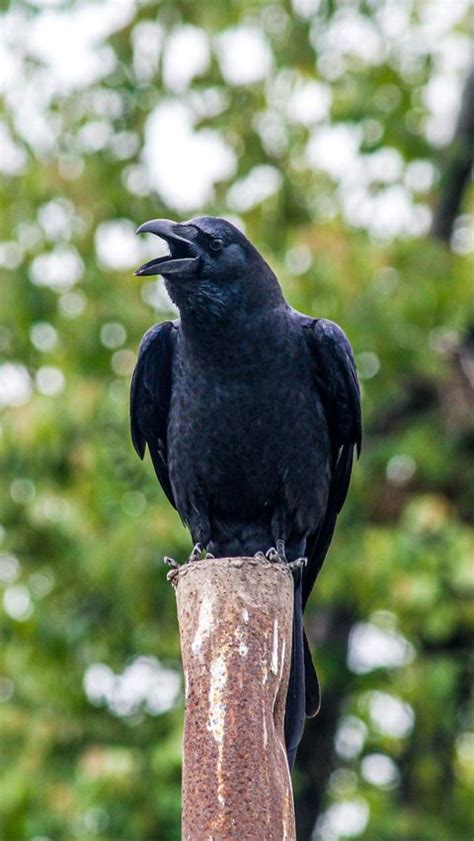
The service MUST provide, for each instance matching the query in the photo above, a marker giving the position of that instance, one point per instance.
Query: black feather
(336, 380)
(150, 397)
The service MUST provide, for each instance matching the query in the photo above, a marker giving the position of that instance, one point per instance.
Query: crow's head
(212, 268)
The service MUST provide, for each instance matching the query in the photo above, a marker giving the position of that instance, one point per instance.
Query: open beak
(183, 258)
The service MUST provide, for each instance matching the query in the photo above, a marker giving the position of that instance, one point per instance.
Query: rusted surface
(235, 617)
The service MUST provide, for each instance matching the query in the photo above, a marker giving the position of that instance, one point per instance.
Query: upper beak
(183, 256)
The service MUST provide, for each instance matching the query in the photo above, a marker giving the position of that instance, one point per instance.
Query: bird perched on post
(251, 413)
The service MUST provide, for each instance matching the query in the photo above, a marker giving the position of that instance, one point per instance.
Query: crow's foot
(299, 563)
(196, 553)
(278, 556)
(274, 556)
(175, 567)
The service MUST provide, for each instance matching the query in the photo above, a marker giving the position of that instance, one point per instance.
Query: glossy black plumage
(251, 413)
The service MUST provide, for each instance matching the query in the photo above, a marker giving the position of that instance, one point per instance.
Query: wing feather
(150, 396)
(335, 376)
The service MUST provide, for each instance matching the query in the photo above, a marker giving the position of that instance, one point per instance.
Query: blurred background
(338, 134)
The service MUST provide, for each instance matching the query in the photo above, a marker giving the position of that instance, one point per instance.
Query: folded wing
(335, 378)
(150, 397)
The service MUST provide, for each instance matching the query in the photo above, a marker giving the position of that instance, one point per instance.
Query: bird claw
(260, 556)
(278, 555)
(209, 556)
(274, 556)
(299, 563)
(194, 556)
(196, 553)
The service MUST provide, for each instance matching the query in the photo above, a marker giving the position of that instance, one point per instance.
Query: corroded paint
(283, 652)
(204, 626)
(217, 686)
(235, 619)
(240, 636)
(274, 663)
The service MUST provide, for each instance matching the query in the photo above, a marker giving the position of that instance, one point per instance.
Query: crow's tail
(304, 695)
(295, 699)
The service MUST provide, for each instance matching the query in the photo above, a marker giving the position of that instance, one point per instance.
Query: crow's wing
(150, 396)
(336, 382)
(335, 378)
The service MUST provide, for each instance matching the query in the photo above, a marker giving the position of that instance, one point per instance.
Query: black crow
(251, 413)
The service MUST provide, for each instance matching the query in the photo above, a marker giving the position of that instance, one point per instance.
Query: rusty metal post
(235, 618)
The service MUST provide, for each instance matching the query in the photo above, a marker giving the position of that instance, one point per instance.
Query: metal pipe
(235, 618)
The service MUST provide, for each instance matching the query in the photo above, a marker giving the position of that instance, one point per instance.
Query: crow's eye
(215, 244)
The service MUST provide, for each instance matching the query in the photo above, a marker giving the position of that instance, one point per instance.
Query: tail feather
(312, 690)
(317, 546)
(295, 699)
(304, 696)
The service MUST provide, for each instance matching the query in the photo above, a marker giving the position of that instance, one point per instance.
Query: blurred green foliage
(84, 525)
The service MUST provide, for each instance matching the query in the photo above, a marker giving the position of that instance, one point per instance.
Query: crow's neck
(231, 339)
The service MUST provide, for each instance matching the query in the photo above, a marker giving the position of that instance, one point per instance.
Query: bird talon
(171, 562)
(273, 556)
(298, 563)
(196, 553)
(209, 556)
(260, 556)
